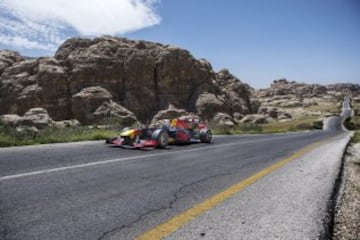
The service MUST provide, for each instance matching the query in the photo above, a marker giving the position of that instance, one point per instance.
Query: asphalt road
(335, 123)
(92, 191)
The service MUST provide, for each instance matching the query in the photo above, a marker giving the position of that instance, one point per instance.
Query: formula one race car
(176, 131)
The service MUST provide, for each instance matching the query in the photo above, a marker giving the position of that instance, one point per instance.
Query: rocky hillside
(303, 100)
(95, 79)
(101, 80)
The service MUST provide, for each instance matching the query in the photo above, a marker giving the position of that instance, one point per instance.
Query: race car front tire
(161, 138)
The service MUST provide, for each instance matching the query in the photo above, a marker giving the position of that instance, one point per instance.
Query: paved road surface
(92, 191)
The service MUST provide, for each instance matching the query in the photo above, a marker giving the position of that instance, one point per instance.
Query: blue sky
(314, 41)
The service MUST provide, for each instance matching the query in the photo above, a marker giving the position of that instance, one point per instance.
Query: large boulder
(66, 123)
(9, 119)
(255, 118)
(87, 101)
(36, 117)
(223, 120)
(111, 112)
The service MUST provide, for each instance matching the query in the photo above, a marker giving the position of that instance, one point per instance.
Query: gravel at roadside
(347, 218)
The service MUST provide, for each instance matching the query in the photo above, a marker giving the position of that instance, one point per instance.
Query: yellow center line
(165, 229)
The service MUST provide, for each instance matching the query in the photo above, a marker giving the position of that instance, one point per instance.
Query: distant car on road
(175, 131)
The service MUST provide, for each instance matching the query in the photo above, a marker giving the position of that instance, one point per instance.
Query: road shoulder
(291, 203)
(347, 217)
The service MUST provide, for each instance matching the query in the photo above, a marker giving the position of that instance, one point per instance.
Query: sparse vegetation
(11, 137)
(354, 122)
(332, 107)
(301, 124)
(274, 127)
(356, 137)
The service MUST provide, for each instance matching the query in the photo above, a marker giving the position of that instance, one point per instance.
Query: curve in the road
(336, 123)
(165, 229)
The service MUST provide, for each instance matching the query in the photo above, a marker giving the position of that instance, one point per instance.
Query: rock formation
(291, 99)
(138, 77)
(9, 58)
(110, 79)
(142, 76)
(41, 82)
(110, 112)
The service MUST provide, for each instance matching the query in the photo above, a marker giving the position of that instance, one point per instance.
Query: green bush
(352, 123)
(317, 125)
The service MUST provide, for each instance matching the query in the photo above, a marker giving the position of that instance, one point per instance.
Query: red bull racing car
(175, 131)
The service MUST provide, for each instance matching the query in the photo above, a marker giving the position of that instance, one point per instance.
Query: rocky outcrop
(144, 77)
(284, 90)
(66, 123)
(270, 111)
(110, 112)
(235, 94)
(35, 117)
(115, 79)
(291, 99)
(223, 119)
(10, 119)
(95, 105)
(209, 104)
(231, 96)
(9, 58)
(275, 113)
(341, 89)
(85, 103)
(32, 83)
(141, 77)
(299, 90)
(255, 118)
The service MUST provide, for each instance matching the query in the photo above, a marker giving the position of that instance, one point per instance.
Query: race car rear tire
(205, 136)
(161, 138)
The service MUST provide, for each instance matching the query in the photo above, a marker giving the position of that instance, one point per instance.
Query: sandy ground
(347, 219)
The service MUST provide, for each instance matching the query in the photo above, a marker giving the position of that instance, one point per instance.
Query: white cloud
(48, 23)
(21, 42)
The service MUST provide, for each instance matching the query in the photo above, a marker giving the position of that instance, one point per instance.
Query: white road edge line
(51, 170)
